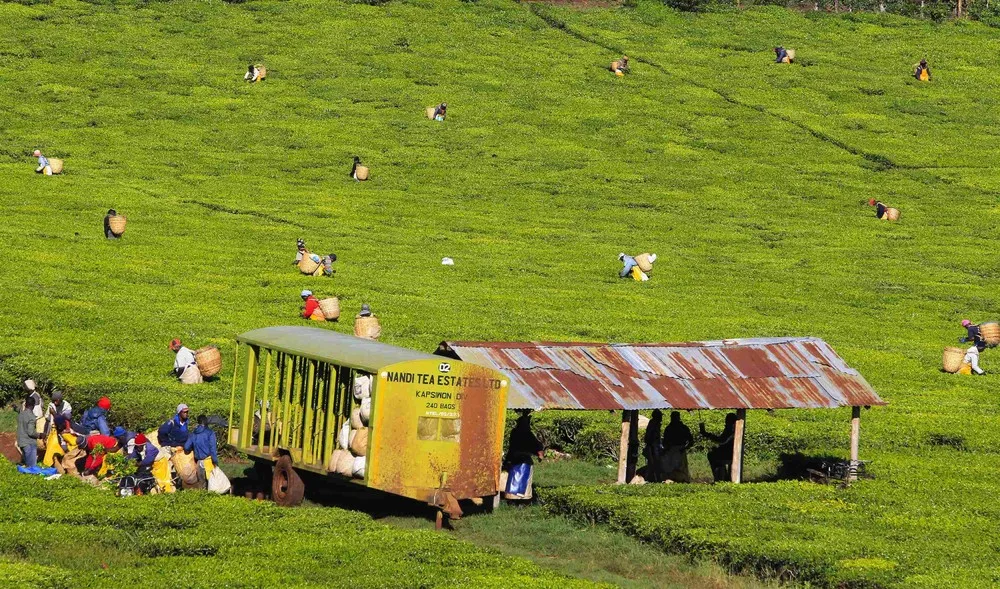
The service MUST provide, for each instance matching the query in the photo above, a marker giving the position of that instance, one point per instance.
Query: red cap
(871, 202)
(140, 438)
(175, 344)
(104, 403)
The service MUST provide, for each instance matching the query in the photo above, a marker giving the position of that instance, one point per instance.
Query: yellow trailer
(389, 418)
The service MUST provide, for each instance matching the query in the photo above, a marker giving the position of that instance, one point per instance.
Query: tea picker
(636, 267)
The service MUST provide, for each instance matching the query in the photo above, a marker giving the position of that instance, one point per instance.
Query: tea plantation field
(749, 179)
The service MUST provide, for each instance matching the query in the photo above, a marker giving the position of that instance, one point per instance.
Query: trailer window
(438, 429)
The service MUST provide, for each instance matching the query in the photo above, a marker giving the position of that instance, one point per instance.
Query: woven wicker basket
(117, 224)
(307, 265)
(209, 361)
(615, 65)
(367, 327)
(791, 55)
(952, 359)
(56, 165)
(645, 264)
(330, 308)
(430, 112)
(892, 214)
(362, 172)
(261, 72)
(991, 333)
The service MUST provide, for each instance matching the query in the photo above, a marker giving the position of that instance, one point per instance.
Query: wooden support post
(633, 446)
(623, 448)
(855, 442)
(736, 470)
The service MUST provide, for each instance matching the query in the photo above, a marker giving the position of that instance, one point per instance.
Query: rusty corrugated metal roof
(765, 373)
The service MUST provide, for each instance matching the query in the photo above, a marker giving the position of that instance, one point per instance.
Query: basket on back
(117, 224)
(331, 308)
(892, 214)
(361, 172)
(307, 265)
(367, 327)
(991, 333)
(430, 112)
(56, 165)
(209, 361)
(791, 55)
(261, 72)
(645, 264)
(952, 359)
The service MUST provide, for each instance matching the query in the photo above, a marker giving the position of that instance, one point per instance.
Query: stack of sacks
(349, 459)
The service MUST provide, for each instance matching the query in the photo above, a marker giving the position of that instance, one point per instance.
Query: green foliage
(225, 541)
(746, 177)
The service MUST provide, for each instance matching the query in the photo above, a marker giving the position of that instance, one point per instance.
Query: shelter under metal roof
(330, 346)
(765, 373)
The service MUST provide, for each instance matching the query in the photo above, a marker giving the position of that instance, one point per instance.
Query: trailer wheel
(287, 487)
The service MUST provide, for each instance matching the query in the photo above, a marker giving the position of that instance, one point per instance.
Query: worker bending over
(880, 208)
(922, 73)
(108, 233)
(185, 364)
(311, 310)
(95, 419)
(43, 164)
(441, 111)
(973, 335)
(252, 74)
(781, 55)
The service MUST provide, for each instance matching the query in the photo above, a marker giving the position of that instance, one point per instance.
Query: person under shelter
(720, 458)
(522, 447)
(652, 451)
(677, 439)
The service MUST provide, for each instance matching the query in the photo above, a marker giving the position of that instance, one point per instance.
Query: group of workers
(80, 448)
(666, 455)
(325, 262)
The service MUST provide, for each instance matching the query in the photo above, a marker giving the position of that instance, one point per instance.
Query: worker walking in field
(185, 365)
(677, 439)
(973, 335)
(27, 432)
(522, 447)
(720, 458)
(311, 310)
(922, 73)
(43, 164)
(95, 419)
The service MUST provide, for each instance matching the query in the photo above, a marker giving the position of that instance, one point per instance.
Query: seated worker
(95, 460)
(108, 233)
(174, 432)
(185, 365)
(922, 73)
(43, 164)
(441, 111)
(720, 458)
(252, 74)
(972, 335)
(144, 452)
(880, 208)
(781, 55)
(95, 419)
(204, 445)
(327, 262)
(311, 308)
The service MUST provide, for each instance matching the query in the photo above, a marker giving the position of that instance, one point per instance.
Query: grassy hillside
(747, 178)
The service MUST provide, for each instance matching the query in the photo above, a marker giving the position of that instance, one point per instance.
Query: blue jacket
(202, 441)
(95, 418)
(173, 432)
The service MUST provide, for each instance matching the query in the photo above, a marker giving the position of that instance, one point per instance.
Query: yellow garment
(924, 76)
(965, 369)
(161, 472)
(786, 60)
(52, 449)
(106, 465)
(209, 467)
(318, 315)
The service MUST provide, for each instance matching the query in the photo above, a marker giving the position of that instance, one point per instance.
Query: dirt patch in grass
(8, 447)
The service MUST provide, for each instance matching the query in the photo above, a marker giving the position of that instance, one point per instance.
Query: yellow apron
(161, 472)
